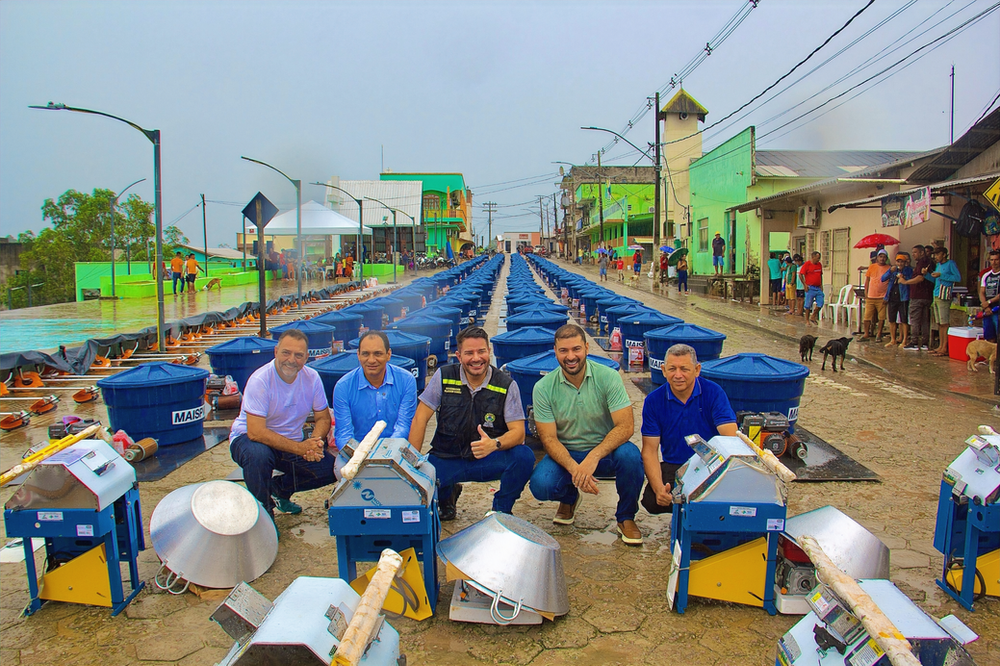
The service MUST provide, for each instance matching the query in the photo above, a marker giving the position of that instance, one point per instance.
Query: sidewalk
(919, 369)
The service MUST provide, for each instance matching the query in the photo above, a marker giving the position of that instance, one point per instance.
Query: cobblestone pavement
(906, 424)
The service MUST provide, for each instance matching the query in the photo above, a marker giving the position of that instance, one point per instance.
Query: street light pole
(394, 238)
(298, 222)
(656, 165)
(114, 204)
(361, 230)
(154, 138)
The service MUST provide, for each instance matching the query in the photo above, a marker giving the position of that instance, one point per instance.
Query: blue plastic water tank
(412, 299)
(165, 401)
(435, 328)
(527, 371)
(759, 383)
(240, 357)
(624, 310)
(707, 344)
(603, 304)
(634, 327)
(332, 368)
(391, 307)
(410, 345)
(320, 335)
(345, 324)
(549, 320)
(452, 314)
(370, 312)
(521, 343)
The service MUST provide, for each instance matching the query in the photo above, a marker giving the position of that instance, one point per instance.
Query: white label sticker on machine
(378, 513)
(85, 530)
(411, 516)
(50, 516)
(743, 511)
(775, 524)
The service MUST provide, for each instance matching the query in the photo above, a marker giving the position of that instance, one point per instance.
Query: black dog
(806, 344)
(836, 347)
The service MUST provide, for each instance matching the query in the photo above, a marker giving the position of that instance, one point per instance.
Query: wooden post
(878, 626)
(769, 460)
(364, 448)
(359, 631)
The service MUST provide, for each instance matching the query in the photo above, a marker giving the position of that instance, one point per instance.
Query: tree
(80, 231)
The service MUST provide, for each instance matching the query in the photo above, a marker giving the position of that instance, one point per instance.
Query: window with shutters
(703, 234)
(839, 253)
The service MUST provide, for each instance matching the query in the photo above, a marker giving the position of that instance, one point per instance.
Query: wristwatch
(497, 440)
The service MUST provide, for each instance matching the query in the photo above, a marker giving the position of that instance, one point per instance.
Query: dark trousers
(920, 320)
(259, 462)
(668, 474)
(512, 467)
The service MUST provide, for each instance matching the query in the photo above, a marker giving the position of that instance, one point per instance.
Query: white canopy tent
(317, 220)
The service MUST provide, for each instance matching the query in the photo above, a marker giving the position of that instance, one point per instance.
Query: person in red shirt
(812, 278)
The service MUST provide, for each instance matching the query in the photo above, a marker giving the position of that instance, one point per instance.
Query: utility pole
(541, 222)
(657, 220)
(204, 230)
(555, 218)
(600, 199)
(952, 104)
(490, 209)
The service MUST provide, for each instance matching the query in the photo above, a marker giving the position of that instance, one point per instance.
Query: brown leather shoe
(630, 533)
(566, 513)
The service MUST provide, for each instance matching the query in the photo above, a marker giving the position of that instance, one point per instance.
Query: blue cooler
(240, 357)
(527, 371)
(549, 320)
(707, 344)
(523, 342)
(332, 368)
(437, 329)
(320, 335)
(415, 347)
(760, 383)
(346, 325)
(634, 327)
(165, 401)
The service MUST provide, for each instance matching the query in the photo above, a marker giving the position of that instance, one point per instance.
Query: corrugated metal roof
(221, 252)
(405, 195)
(980, 137)
(823, 163)
(827, 182)
(943, 186)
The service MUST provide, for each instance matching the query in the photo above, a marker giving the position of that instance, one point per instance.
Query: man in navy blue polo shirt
(685, 405)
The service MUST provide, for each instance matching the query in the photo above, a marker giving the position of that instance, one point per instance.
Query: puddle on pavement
(602, 538)
(314, 535)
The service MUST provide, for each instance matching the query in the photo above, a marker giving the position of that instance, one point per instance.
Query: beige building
(832, 215)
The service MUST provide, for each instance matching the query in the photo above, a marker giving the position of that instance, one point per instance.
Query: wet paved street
(46, 327)
(906, 420)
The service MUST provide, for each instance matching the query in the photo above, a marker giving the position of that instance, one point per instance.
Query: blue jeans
(177, 276)
(512, 467)
(259, 462)
(551, 482)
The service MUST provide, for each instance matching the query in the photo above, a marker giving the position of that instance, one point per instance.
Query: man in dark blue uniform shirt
(685, 405)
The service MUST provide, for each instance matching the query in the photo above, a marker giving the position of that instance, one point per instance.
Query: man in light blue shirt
(376, 391)
(944, 277)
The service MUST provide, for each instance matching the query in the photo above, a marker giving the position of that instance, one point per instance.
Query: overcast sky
(494, 90)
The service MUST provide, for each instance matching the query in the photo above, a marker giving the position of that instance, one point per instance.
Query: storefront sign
(906, 210)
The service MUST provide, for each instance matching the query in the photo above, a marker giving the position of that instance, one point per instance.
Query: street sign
(260, 211)
(992, 194)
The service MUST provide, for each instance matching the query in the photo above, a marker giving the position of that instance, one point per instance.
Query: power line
(987, 109)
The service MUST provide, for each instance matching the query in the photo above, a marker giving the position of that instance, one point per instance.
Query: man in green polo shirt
(584, 418)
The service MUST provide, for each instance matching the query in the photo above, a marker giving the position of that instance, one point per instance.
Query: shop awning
(937, 188)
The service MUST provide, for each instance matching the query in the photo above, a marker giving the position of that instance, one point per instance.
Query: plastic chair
(852, 305)
(841, 302)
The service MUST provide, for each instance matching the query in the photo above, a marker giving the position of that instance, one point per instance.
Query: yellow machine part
(753, 433)
(82, 580)
(989, 567)
(394, 600)
(735, 575)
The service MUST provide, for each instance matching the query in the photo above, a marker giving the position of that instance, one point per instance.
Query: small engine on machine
(769, 431)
